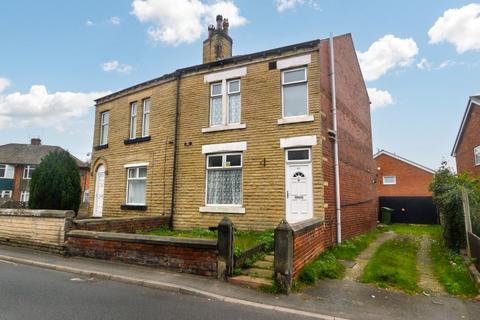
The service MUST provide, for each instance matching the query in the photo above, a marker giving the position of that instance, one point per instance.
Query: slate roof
(17, 153)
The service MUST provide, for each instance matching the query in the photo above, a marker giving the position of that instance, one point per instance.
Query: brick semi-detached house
(249, 136)
(403, 185)
(467, 145)
(17, 163)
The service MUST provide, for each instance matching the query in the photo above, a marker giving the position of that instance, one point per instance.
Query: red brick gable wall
(357, 168)
(470, 139)
(410, 180)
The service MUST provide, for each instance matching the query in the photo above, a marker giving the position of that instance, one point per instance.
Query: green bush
(55, 183)
(325, 266)
(447, 191)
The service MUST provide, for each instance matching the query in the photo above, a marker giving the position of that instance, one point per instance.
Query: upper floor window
(389, 180)
(133, 120)
(225, 105)
(28, 171)
(7, 171)
(5, 193)
(476, 152)
(146, 118)
(136, 185)
(295, 92)
(104, 120)
(224, 179)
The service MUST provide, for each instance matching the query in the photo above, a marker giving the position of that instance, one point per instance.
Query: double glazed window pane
(294, 76)
(477, 155)
(136, 191)
(146, 118)
(224, 186)
(298, 155)
(225, 104)
(295, 100)
(215, 161)
(216, 111)
(233, 160)
(234, 108)
(104, 119)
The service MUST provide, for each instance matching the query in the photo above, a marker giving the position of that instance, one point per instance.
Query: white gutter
(335, 145)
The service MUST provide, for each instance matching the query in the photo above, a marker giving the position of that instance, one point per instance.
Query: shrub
(447, 191)
(55, 183)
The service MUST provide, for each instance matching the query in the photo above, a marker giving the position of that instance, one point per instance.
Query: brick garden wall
(126, 225)
(309, 240)
(195, 256)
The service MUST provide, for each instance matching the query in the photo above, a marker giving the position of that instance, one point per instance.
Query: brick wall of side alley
(125, 225)
(38, 229)
(196, 256)
(310, 238)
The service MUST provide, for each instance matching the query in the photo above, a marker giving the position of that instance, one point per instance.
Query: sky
(420, 59)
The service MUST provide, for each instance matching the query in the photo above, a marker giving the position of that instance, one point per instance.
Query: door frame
(100, 168)
(290, 163)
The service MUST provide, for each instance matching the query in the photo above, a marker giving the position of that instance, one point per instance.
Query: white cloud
(460, 27)
(4, 83)
(424, 64)
(386, 53)
(114, 20)
(114, 65)
(283, 5)
(379, 98)
(89, 23)
(182, 21)
(450, 63)
(39, 108)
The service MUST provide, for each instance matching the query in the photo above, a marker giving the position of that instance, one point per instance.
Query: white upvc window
(104, 121)
(7, 171)
(146, 118)
(5, 193)
(224, 179)
(133, 120)
(28, 171)
(294, 92)
(389, 180)
(136, 185)
(298, 155)
(225, 103)
(476, 153)
(24, 196)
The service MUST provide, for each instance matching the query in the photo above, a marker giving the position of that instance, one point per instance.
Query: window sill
(137, 140)
(100, 147)
(225, 127)
(133, 207)
(222, 209)
(296, 119)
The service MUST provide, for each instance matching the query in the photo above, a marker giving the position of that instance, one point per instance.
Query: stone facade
(180, 139)
(468, 140)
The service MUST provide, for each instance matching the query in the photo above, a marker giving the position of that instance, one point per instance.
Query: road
(33, 293)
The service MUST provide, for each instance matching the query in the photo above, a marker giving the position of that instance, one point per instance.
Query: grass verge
(350, 249)
(394, 265)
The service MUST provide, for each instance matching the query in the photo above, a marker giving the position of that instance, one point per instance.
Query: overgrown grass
(394, 265)
(243, 239)
(416, 229)
(451, 271)
(350, 249)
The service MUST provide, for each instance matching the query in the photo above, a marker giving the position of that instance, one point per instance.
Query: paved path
(427, 282)
(356, 272)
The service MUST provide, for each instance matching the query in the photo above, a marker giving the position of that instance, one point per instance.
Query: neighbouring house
(467, 145)
(249, 136)
(17, 163)
(403, 185)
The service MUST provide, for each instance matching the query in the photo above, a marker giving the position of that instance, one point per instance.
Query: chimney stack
(35, 141)
(218, 46)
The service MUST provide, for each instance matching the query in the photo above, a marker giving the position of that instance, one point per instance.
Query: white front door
(298, 179)
(99, 186)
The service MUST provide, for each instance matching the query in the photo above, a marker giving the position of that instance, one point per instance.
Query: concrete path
(427, 282)
(361, 262)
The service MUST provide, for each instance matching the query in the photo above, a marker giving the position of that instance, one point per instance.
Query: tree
(55, 183)
(447, 191)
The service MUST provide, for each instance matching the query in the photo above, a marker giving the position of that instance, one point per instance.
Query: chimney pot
(211, 29)
(225, 25)
(219, 22)
(35, 141)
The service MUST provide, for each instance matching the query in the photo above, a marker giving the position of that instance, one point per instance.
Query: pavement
(333, 299)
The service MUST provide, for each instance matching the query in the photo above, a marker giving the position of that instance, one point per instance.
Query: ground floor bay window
(136, 185)
(224, 181)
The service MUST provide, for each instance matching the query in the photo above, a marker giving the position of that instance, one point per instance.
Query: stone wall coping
(42, 213)
(117, 219)
(302, 227)
(145, 239)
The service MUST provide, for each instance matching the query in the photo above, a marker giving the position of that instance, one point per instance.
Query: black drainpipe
(178, 76)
